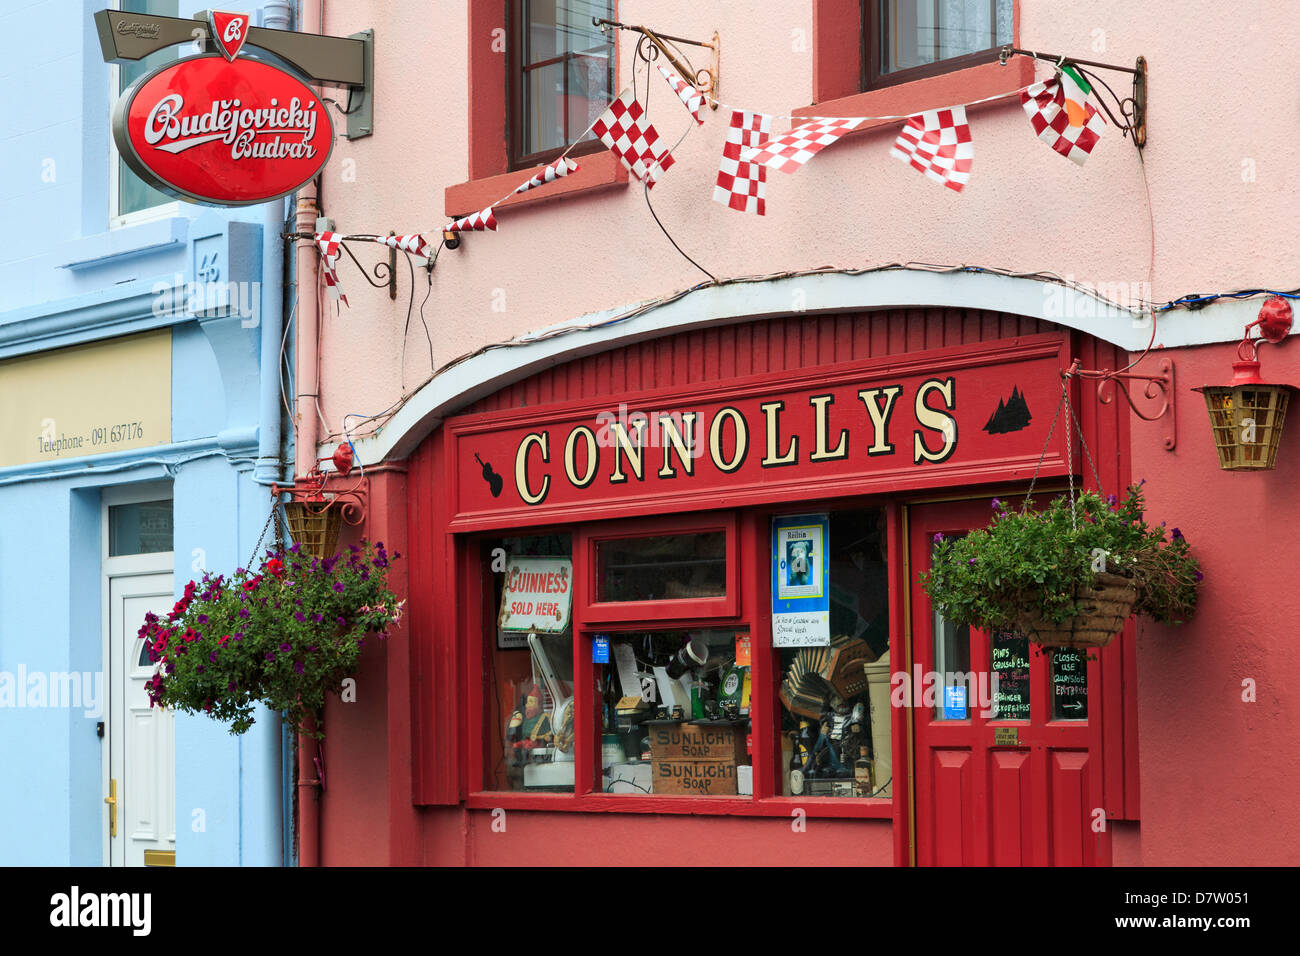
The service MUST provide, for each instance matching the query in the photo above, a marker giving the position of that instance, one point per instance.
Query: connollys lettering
(223, 132)
(666, 444)
(880, 425)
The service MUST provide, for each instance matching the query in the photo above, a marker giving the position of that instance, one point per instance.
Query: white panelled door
(142, 779)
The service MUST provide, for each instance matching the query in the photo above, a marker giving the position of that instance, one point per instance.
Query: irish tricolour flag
(1062, 114)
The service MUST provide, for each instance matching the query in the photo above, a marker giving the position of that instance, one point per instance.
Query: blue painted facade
(67, 278)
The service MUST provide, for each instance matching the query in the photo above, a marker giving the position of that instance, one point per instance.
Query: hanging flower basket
(314, 526)
(1102, 609)
(284, 634)
(1068, 576)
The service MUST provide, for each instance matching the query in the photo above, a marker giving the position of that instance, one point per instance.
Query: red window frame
(751, 532)
(518, 159)
(489, 173)
(839, 47)
(662, 613)
(873, 79)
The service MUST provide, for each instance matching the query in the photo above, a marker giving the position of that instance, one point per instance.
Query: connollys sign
(216, 128)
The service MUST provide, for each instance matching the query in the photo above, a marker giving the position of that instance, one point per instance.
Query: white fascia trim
(712, 306)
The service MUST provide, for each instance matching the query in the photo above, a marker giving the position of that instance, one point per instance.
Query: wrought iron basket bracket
(384, 272)
(1132, 108)
(1160, 388)
(652, 45)
(314, 490)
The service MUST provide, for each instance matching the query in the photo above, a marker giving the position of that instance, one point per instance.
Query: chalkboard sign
(1069, 684)
(1009, 662)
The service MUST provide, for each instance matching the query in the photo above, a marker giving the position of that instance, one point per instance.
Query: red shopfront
(891, 427)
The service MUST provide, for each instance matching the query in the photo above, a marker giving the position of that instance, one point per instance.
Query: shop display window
(530, 722)
(674, 712)
(835, 724)
(663, 679)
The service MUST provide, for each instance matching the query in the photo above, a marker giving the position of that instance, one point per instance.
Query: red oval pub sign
(223, 133)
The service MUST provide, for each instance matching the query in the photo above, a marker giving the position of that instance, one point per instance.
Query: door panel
(981, 801)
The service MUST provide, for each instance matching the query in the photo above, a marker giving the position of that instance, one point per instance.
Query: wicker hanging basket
(314, 527)
(1104, 608)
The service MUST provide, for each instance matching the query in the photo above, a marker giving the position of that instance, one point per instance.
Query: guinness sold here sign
(225, 132)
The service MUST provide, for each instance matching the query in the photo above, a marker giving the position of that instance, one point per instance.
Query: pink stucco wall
(1218, 775)
(1212, 108)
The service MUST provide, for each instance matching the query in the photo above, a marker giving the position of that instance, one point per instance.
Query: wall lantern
(1246, 415)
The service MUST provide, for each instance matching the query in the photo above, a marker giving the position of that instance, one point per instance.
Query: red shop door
(1005, 773)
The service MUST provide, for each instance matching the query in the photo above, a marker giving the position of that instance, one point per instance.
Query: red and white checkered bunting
(691, 98)
(483, 219)
(629, 135)
(561, 167)
(1044, 104)
(328, 244)
(742, 185)
(938, 143)
(791, 150)
(413, 244)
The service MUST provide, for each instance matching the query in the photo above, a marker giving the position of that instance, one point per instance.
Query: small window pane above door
(144, 527)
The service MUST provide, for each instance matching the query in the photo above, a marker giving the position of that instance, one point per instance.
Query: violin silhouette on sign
(491, 477)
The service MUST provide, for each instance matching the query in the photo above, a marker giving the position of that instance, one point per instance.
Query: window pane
(142, 528)
(133, 194)
(667, 567)
(1069, 684)
(675, 713)
(919, 32)
(1009, 663)
(588, 93)
(952, 661)
(544, 108)
(835, 714)
(530, 717)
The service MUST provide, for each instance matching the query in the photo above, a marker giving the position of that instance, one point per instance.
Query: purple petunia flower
(200, 669)
(971, 561)
(996, 504)
(1112, 500)
(297, 666)
(286, 646)
(342, 621)
(1178, 534)
(938, 538)
(203, 619)
(1199, 576)
(299, 616)
(213, 657)
(320, 618)
(311, 648)
(270, 655)
(244, 612)
(340, 586)
(231, 687)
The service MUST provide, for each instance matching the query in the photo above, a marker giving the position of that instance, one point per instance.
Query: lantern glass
(1247, 424)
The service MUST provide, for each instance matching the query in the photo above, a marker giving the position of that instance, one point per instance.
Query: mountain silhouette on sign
(1011, 416)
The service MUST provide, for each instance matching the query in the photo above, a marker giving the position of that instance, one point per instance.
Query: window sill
(932, 92)
(697, 806)
(596, 171)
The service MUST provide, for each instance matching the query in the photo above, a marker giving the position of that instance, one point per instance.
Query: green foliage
(284, 635)
(1037, 559)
